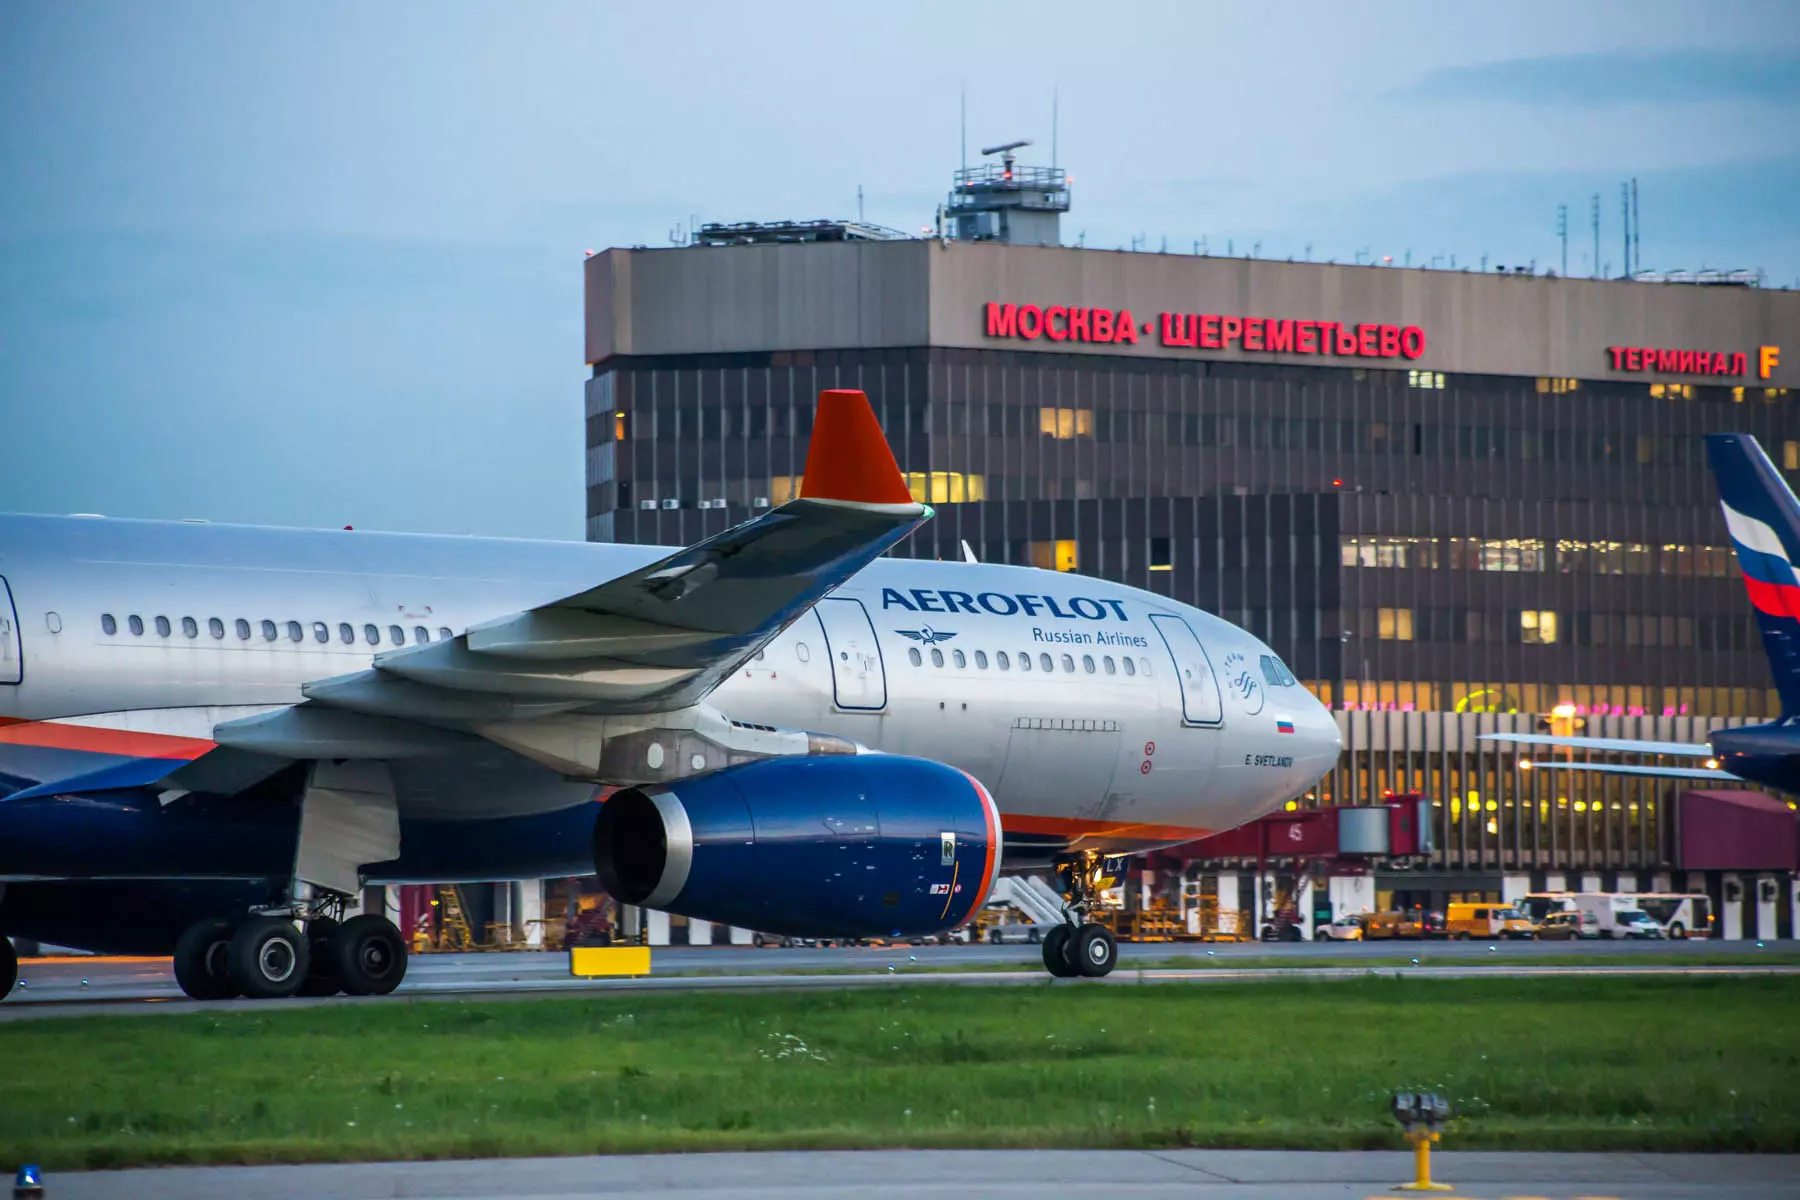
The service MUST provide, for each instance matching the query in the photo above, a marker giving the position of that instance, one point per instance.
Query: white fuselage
(1093, 711)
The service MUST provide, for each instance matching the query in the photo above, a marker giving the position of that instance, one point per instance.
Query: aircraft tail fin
(1764, 519)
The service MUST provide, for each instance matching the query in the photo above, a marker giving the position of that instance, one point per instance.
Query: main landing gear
(263, 956)
(1080, 947)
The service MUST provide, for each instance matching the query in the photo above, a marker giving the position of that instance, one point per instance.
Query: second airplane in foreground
(208, 733)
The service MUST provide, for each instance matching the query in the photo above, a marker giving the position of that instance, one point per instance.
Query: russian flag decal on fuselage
(1283, 725)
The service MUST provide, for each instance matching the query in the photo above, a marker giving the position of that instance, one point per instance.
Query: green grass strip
(1568, 1064)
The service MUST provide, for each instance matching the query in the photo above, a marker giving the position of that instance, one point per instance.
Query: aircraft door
(1200, 703)
(858, 679)
(12, 660)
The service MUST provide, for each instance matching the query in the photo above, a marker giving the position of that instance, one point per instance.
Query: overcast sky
(320, 263)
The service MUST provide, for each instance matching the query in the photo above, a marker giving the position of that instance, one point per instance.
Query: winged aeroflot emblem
(928, 635)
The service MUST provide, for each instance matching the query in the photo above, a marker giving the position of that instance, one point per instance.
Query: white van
(1617, 915)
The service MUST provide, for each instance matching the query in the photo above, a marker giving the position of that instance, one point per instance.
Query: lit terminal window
(783, 488)
(1160, 555)
(1537, 627)
(1066, 423)
(946, 487)
(618, 426)
(1557, 387)
(1367, 551)
(1790, 456)
(1679, 391)
(1497, 554)
(1428, 379)
(1054, 556)
(1394, 624)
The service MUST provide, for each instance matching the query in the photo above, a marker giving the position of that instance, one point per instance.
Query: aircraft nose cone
(1323, 740)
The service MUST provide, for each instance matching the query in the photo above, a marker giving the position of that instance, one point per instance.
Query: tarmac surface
(92, 986)
(1065, 1174)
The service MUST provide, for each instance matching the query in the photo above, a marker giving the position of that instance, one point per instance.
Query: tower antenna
(1596, 218)
(965, 125)
(1053, 125)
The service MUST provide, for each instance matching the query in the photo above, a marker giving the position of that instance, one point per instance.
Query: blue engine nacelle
(865, 845)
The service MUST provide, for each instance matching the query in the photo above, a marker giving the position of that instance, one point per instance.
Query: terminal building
(1455, 502)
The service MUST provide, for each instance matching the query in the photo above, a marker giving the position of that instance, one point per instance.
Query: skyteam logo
(1241, 679)
(928, 635)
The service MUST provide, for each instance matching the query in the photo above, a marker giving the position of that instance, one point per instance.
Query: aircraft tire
(368, 956)
(9, 966)
(321, 972)
(268, 958)
(201, 960)
(1056, 958)
(1093, 951)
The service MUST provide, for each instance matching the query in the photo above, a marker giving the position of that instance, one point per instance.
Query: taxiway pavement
(908, 1174)
(92, 986)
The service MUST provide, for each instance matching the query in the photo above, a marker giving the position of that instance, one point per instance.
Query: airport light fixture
(1422, 1115)
(28, 1184)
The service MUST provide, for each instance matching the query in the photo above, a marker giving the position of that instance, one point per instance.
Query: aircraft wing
(656, 639)
(1618, 746)
(1631, 769)
(1612, 745)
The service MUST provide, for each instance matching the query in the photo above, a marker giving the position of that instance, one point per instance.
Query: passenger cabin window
(445, 635)
(215, 627)
(190, 627)
(1025, 661)
(956, 656)
(937, 657)
(295, 632)
(1068, 663)
(162, 627)
(321, 632)
(1144, 666)
(108, 626)
(421, 635)
(372, 635)
(243, 630)
(268, 631)
(1046, 662)
(981, 660)
(1001, 661)
(1106, 662)
(396, 635)
(1129, 669)
(346, 634)
(136, 624)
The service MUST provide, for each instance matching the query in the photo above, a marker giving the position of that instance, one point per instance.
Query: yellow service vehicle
(1488, 920)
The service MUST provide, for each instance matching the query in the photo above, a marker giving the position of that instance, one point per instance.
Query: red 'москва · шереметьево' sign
(1205, 331)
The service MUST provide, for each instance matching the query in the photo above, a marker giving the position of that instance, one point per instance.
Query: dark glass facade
(1429, 552)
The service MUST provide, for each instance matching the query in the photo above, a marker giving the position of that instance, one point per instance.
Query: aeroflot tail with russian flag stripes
(1763, 518)
(209, 733)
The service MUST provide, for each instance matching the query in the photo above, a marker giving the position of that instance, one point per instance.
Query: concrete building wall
(872, 295)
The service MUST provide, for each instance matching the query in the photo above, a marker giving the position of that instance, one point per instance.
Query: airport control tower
(1004, 202)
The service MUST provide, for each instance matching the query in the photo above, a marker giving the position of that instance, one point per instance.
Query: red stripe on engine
(91, 739)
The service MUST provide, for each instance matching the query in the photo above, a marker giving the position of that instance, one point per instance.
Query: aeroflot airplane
(1763, 518)
(209, 733)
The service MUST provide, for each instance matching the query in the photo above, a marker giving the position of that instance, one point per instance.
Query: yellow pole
(1421, 1141)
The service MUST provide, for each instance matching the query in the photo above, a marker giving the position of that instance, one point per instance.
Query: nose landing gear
(1080, 947)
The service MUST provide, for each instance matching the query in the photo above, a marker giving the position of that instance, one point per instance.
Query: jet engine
(866, 845)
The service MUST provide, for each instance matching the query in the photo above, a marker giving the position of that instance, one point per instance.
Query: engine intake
(868, 845)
